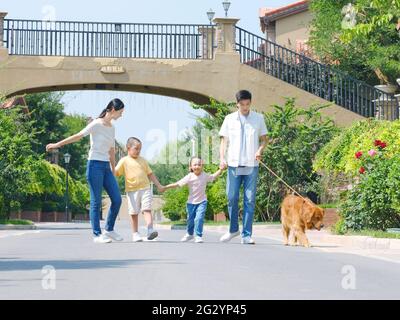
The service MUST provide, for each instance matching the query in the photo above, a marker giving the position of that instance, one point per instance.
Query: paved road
(167, 269)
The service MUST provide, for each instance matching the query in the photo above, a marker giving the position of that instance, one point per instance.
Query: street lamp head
(226, 5)
(210, 15)
(118, 27)
(67, 158)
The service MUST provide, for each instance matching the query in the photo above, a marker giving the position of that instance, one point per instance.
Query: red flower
(358, 154)
(362, 170)
(380, 144)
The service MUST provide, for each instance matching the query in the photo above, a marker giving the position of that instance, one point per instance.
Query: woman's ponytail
(115, 104)
(103, 113)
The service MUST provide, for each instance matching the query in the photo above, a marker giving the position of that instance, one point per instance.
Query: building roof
(273, 14)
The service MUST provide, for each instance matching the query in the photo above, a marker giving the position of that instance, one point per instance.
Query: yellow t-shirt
(136, 173)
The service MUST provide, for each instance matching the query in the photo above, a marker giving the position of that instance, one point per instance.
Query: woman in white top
(101, 168)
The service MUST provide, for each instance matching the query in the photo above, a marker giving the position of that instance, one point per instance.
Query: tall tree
(366, 49)
(16, 136)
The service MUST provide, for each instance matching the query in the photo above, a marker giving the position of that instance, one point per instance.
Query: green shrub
(338, 154)
(175, 203)
(297, 135)
(216, 196)
(47, 187)
(50, 206)
(373, 203)
(374, 200)
(2, 208)
(32, 205)
(339, 227)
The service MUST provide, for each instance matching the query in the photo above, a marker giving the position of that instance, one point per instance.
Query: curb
(359, 242)
(363, 242)
(17, 227)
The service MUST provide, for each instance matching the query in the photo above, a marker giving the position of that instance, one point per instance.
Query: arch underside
(192, 97)
(169, 92)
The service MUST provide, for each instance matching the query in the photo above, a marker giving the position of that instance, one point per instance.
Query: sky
(145, 113)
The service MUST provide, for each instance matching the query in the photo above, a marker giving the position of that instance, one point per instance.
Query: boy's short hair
(243, 95)
(132, 141)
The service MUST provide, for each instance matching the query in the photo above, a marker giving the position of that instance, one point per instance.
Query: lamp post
(226, 5)
(67, 159)
(210, 15)
(118, 27)
(193, 147)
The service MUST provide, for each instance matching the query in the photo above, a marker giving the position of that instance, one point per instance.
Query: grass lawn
(17, 222)
(374, 234)
(333, 205)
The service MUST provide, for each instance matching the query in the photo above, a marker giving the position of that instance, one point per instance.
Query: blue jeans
(195, 219)
(233, 185)
(99, 175)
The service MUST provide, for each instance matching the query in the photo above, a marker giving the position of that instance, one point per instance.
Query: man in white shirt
(245, 134)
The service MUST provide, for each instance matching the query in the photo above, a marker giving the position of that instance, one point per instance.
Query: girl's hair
(132, 141)
(190, 162)
(115, 104)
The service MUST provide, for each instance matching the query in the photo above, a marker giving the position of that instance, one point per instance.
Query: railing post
(2, 16)
(208, 40)
(226, 35)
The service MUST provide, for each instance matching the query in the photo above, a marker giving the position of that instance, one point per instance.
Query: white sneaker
(136, 237)
(198, 239)
(229, 236)
(151, 234)
(186, 238)
(113, 235)
(248, 240)
(101, 239)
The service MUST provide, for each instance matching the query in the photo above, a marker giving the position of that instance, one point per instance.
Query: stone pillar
(387, 108)
(226, 35)
(2, 16)
(208, 41)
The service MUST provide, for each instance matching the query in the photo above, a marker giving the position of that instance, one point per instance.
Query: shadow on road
(18, 265)
(62, 228)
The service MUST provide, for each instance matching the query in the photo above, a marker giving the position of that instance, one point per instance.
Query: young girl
(197, 203)
(101, 168)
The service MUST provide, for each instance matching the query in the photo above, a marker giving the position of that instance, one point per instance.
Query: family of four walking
(243, 139)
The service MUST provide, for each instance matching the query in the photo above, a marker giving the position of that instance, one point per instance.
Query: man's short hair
(243, 95)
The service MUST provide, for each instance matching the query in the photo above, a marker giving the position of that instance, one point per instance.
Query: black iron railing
(120, 151)
(97, 39)
(321, 80)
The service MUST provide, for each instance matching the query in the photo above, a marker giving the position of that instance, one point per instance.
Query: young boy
(137, 186)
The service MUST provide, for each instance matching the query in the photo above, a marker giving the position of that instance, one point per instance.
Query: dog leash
(285, 183)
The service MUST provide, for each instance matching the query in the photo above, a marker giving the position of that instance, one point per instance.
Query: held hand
(161, 189)
(223, 165)
(51, 146)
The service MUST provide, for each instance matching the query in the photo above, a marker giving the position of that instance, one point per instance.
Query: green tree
(296, 137)
(72, 124)
(369, 50)
(16, 136)
(47, 111)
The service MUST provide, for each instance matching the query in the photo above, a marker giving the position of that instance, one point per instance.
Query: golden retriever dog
(298, 215)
